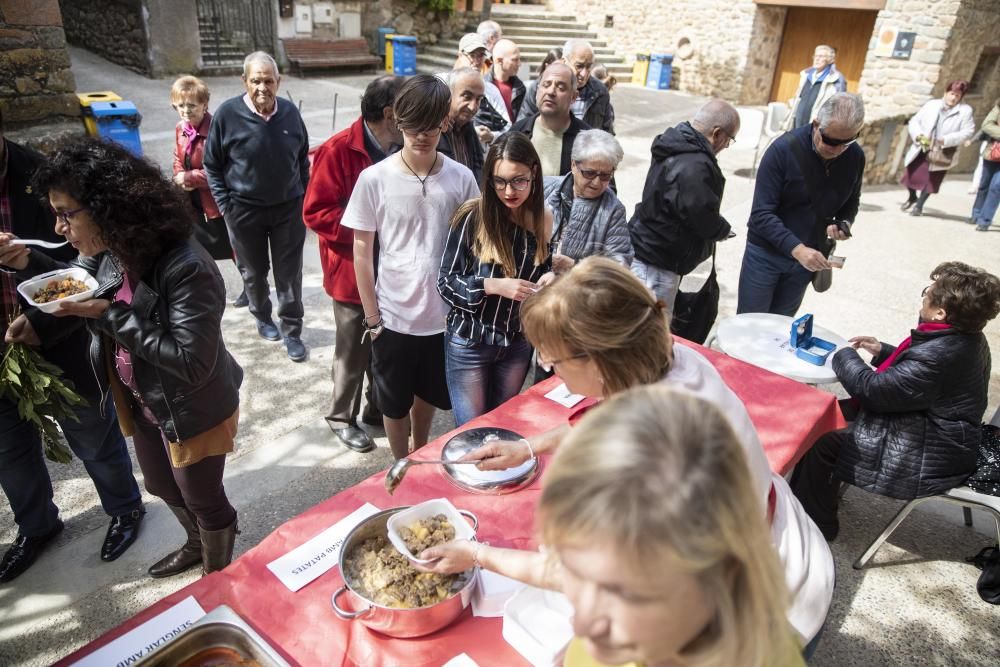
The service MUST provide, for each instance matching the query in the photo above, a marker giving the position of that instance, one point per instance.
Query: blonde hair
(601, 310)
(676, 492)
(189, 84)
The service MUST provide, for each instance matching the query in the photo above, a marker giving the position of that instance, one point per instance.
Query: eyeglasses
(837, 142)
(547, 365)
(185, 107)
(66, 217)
(591, 174)
(730, 139)
(519, 184)
(429, 134)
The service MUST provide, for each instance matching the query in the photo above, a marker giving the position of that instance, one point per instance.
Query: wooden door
(848, 31)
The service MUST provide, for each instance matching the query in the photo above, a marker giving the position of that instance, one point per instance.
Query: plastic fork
(37, 242)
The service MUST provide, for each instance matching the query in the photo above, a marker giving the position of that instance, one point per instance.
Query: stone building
(36, 84)
(751, 51)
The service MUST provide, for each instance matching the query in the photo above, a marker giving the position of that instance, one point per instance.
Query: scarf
(902, 347)
(191, 132)
(817, 76)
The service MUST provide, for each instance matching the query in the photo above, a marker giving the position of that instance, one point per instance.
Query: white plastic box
(28, 288)
(426, 510)
(539, 625)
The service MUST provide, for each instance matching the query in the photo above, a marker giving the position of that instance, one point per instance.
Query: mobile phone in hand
(836, 261)
(844, 227)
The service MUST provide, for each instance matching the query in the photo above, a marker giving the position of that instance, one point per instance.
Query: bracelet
(528, 445)
(475, 554)
(368, 317)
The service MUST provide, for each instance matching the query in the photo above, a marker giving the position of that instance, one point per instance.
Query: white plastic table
(762, 339)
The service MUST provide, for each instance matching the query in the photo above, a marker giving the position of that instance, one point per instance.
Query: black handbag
(695, 312)
(988, 585)
(986, 478)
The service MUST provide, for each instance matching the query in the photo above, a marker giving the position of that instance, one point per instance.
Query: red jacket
(336, 167)
(195, 177)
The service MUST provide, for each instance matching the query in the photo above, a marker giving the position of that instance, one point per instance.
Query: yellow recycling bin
(86, 99)
(640, 69)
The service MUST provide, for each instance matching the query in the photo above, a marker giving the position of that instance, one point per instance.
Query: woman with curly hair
(156, 325)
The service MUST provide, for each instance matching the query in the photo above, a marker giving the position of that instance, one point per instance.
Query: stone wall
(722, 48)
(410, 19)
(36, 84)
(114, 29)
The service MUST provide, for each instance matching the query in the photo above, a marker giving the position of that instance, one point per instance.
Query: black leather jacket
(918, 431)
(173, 332)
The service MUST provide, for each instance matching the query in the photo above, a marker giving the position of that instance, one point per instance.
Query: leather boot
(188, 555)
(217, 547)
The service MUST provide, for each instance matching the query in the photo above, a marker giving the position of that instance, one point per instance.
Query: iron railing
(230, 29)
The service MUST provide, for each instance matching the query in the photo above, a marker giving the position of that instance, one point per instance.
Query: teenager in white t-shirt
(603, 332)
(406, 201)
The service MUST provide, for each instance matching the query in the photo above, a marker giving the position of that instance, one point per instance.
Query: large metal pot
(398, 622)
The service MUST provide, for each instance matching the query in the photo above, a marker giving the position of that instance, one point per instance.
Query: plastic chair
(961, 495)
(771, 130)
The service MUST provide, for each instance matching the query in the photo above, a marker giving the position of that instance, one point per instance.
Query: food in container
(427, 512)
(384, 576)
(48, 286)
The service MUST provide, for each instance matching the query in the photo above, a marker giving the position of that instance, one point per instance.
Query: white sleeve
(360, 212)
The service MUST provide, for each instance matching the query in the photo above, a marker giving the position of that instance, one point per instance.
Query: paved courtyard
(914, 605)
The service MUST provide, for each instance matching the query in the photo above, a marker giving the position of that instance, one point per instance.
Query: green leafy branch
(42, 395)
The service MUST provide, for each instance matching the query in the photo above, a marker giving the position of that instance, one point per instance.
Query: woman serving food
(688, 580)
(603, 332)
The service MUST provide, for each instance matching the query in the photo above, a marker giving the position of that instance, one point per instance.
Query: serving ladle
(398, 469)
(37, 242)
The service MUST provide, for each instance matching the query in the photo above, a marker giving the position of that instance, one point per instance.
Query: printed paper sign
(320, 554)
(136, 644)
(562, 396)
(461, 660)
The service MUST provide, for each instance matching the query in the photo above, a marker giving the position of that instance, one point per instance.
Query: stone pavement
(915, 604)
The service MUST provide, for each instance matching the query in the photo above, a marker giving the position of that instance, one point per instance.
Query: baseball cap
(472, 42)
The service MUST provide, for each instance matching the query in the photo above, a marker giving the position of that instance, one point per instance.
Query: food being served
(219, 656)
(59, 289)
(378, 571)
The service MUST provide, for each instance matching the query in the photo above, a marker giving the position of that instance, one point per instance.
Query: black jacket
(576, 126)
(173, 332)
(918, 431)
(473, 148)
(489, 116)
(64, 340)
(598, 114)
(677, 223)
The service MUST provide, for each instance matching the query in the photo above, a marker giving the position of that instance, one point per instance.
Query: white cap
(472, 42)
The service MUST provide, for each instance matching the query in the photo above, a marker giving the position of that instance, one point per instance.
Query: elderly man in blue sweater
(808, 190)
(257, 163)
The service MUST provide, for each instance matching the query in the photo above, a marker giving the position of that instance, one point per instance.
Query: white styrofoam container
(492, 592)
(426, 510)
(29, 287)
(539, 625)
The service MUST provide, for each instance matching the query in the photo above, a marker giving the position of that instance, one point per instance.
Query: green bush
(446, 6)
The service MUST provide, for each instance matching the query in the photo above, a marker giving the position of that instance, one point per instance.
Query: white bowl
(426, 510)
(28, 288)
(539, 625)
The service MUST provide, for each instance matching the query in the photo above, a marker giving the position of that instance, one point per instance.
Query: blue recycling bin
(404, 55)
(661, 69)
(382, 34)
(118, 122)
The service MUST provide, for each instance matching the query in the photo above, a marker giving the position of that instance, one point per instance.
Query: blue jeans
(664, 284)
(480, 376)
(988, 196)
(96, 440)
(771, 283)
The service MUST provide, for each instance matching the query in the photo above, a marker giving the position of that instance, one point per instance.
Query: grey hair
(716, 113)
(456, 74)
(572, 45)
(844, 108)
(259, 57)
(829, 49)
(597, 145)
(488, 30)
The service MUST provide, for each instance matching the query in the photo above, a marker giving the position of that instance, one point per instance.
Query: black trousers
(815, 484)
(253, 230)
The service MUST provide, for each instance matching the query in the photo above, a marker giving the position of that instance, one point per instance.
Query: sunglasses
(837, 142)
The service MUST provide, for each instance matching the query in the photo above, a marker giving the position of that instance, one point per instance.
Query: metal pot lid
(474, 480)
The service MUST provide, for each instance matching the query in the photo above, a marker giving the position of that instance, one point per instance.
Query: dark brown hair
(422, 104)
(491, 232)
(958, 86)
(969, 296)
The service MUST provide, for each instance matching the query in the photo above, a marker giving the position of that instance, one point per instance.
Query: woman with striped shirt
(496, 256)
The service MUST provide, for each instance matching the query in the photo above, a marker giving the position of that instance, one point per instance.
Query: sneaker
(267, 330)
(242, 301)
(296, 349)
(982, 228)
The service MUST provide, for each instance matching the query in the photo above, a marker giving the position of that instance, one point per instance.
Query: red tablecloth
(789, 417)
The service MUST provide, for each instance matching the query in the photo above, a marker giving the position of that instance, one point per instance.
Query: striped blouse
(474, 315)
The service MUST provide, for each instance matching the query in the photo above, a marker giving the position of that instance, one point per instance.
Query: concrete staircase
(536, 31)
(219, 55)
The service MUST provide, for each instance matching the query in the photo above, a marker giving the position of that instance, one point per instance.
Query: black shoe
(353, 438)
(242, 301)
(907, 204)
(916, 212)
(296, 349)
(267, 330)
(23, 553)
(982, 228)
(123, 531)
